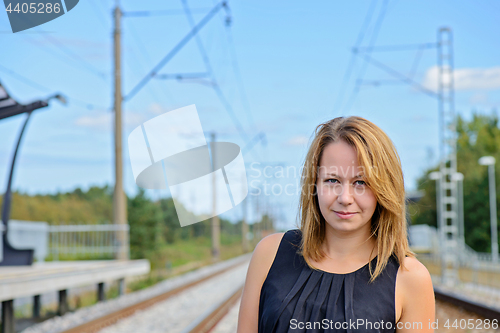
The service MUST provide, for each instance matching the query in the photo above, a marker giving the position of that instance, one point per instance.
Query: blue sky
(292, 58)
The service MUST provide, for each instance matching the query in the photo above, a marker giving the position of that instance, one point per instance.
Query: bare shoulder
(413, 271)
(270, 242)
(260, 264)
(414, 278)
(415, 292)
(263, 257)
(265, 252)
(414, 295)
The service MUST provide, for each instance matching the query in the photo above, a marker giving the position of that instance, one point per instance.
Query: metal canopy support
(448, 206)
(10, 256)
(8, 321)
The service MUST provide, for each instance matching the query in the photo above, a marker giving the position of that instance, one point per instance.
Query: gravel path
(446, 313)
(229, 323)
(69, 320)
(177, 312)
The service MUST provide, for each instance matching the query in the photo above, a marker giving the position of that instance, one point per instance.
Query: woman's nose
(345, 197)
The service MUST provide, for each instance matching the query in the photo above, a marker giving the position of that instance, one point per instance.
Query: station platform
(40, 278)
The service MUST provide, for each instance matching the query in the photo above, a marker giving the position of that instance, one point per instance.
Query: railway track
(468, 305)
(205, 322)
(212, 316)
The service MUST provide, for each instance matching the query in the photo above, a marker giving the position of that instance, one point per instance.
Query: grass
(80, 256)
(185, 255)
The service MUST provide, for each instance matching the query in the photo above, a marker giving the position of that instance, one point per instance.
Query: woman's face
(345, 201)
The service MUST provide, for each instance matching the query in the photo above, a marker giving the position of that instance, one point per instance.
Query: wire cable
(216, 86)
(39, 87)
(75, 56)
(148, 13)
(239, 80)
(55, 54)
(174, 51)
(361, 73)
(392, 48)
(398, 75)
(347, 74)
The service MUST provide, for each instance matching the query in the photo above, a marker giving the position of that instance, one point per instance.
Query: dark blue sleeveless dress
(296, 298)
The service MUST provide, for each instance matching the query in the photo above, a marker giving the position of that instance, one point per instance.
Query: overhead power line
(398, 75)
(239, 80)
(373, 39)
(347, 74)
(42, 88)
(74, 56)
(65, 59)
(149, 13)
(216, 86)
(391, 48)
(174, 51)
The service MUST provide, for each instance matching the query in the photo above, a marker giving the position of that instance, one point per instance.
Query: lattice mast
(448, 221)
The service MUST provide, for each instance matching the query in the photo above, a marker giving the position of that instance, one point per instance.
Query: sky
(282, 68)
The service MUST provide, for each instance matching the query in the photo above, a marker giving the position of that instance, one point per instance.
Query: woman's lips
(344, 215)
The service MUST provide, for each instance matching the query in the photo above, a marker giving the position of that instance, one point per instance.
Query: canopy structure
(10, 107)
(9, 256)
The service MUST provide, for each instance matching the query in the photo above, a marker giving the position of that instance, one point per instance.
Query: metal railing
(86, 241)
(469, 255)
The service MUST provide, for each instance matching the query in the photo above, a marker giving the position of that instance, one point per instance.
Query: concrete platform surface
(20, 281)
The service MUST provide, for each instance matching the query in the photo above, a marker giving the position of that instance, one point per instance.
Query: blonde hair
(383, 175)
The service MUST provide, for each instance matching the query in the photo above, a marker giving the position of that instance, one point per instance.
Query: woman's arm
(262, 259)
(414, 286)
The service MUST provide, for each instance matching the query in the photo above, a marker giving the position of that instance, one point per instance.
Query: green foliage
(476, 138)
(155, 231)
(91, 207)
(146, 229)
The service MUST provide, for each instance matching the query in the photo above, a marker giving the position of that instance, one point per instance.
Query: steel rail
(98, 324)
(467, 304)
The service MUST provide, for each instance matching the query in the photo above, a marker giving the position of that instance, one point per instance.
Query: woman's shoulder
(272, 242)
(412, 269)
(413, 278)
(263, 258)
(269, 244)
(414, 292)
(266, 250)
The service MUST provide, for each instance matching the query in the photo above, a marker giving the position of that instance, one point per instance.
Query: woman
(348, 268)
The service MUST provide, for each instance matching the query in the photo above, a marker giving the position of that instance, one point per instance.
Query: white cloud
(479, 98)
(298, 140)
(157, 109)
(98, 121)
(466, 78)
(103, 120)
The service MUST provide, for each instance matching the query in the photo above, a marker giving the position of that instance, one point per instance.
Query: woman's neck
(349, 246)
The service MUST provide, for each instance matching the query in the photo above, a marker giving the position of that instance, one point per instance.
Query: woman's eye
(331, 181)
(360, 182)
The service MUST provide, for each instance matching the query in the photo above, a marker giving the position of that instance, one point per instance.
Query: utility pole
(119, 202)
(258, 223)
(244, 225)
(215, 217)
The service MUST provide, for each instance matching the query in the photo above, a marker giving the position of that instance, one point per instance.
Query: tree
(476, 138)
(146, 228)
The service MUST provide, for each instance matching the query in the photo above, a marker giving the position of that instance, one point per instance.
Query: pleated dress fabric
(296, 298)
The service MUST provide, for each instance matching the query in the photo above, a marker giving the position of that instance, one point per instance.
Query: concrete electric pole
(119, 202)
(215, 218)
